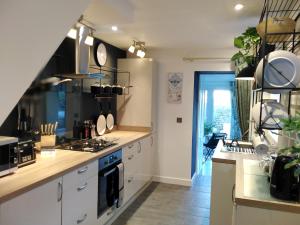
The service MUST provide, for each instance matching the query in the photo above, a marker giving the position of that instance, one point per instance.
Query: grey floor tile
(165, 204)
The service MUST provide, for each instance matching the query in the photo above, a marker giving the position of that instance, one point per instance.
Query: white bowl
(279, 62)
(271, 114)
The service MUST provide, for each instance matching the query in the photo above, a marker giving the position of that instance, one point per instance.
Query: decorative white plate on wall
(281, 71)
(101, 125)
(271, 114)
(110, 121)
(101, 54)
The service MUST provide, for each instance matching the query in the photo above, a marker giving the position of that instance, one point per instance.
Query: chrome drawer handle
(130, 179)
(83, 170)
(130, 146)
(82, 187)
(130, 157)
(60, 191)
(140, 147)
(83, 219)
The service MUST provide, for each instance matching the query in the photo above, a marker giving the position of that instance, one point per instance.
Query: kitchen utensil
(272, 112)
(110, 121)
(281, 71)
(260, 144)
(109, 118)
(97, 89)
(101, 125)
(276, 25)
(93, 131)
(117, 89)
(55, 127)
(107, 89)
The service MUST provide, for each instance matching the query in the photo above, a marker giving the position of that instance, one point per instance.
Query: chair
(212, 144)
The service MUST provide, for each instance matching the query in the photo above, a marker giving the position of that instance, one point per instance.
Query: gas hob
(91, 145)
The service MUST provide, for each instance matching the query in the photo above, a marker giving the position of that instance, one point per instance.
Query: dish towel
(120, 168)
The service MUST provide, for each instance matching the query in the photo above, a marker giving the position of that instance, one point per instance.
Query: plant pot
(247, 72)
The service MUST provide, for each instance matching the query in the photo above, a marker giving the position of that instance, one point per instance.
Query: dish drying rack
(288, 41)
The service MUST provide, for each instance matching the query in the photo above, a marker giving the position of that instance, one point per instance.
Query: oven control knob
(106, 162)
(115, 157)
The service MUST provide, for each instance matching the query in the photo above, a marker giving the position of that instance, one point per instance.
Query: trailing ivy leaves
(292, 124)
(292, 164)
(239, 42)
(246, 43)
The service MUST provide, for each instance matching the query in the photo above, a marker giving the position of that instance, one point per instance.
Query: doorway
(215, 112)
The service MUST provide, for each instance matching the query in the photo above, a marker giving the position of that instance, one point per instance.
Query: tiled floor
(165, 204)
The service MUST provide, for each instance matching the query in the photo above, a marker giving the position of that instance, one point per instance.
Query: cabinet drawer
(129, 187)
(130, 149)
(80, 175)
(80, 203)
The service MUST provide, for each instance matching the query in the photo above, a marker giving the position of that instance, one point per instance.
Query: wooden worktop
(61, 162)
(251, 185)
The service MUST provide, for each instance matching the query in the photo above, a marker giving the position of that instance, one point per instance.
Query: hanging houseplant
(244, 59)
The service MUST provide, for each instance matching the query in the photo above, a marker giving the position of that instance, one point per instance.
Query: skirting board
(173, 180)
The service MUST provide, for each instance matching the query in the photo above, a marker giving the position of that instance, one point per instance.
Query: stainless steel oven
(8, 155)
(110, 182)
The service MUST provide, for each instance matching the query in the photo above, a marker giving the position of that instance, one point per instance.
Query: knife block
(48, 140)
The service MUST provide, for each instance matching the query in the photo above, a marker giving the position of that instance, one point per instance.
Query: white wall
(31, 31)
(175, 140)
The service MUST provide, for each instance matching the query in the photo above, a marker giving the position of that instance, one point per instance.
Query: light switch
(179, 120)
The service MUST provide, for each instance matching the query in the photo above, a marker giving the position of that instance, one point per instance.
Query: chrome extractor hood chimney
(82, 51)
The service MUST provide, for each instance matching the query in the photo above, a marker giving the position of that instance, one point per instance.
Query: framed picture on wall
(175, 82)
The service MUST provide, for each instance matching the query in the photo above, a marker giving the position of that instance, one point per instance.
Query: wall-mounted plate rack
(288, 41)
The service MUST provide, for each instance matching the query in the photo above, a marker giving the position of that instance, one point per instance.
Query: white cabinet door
(130, 165)
(40, 206)
(130, 112)
(79, 203)
(223, 180)
(251, 216)
(146, 161)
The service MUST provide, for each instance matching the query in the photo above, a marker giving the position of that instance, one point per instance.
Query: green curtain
(243, 88)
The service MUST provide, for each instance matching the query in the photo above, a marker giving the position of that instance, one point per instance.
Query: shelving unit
(288, 41)
(106, 71)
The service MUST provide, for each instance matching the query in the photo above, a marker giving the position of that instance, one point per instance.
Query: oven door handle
(109, 172)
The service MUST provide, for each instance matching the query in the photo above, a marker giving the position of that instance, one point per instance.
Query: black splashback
(66, 102)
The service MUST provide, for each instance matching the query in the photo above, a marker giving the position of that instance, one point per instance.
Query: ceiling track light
(140, 47)
(72, 33)
(89, 40)
(132, 47)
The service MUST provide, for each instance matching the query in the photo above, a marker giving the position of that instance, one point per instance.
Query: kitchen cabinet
(138, 109)
(79, 201)
(131, 167)
(41, 205)
(222, 191)
(245, 215)
(138, 166)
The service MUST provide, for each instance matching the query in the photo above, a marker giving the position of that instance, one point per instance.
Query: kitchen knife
(46, 129)
(55, 127)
